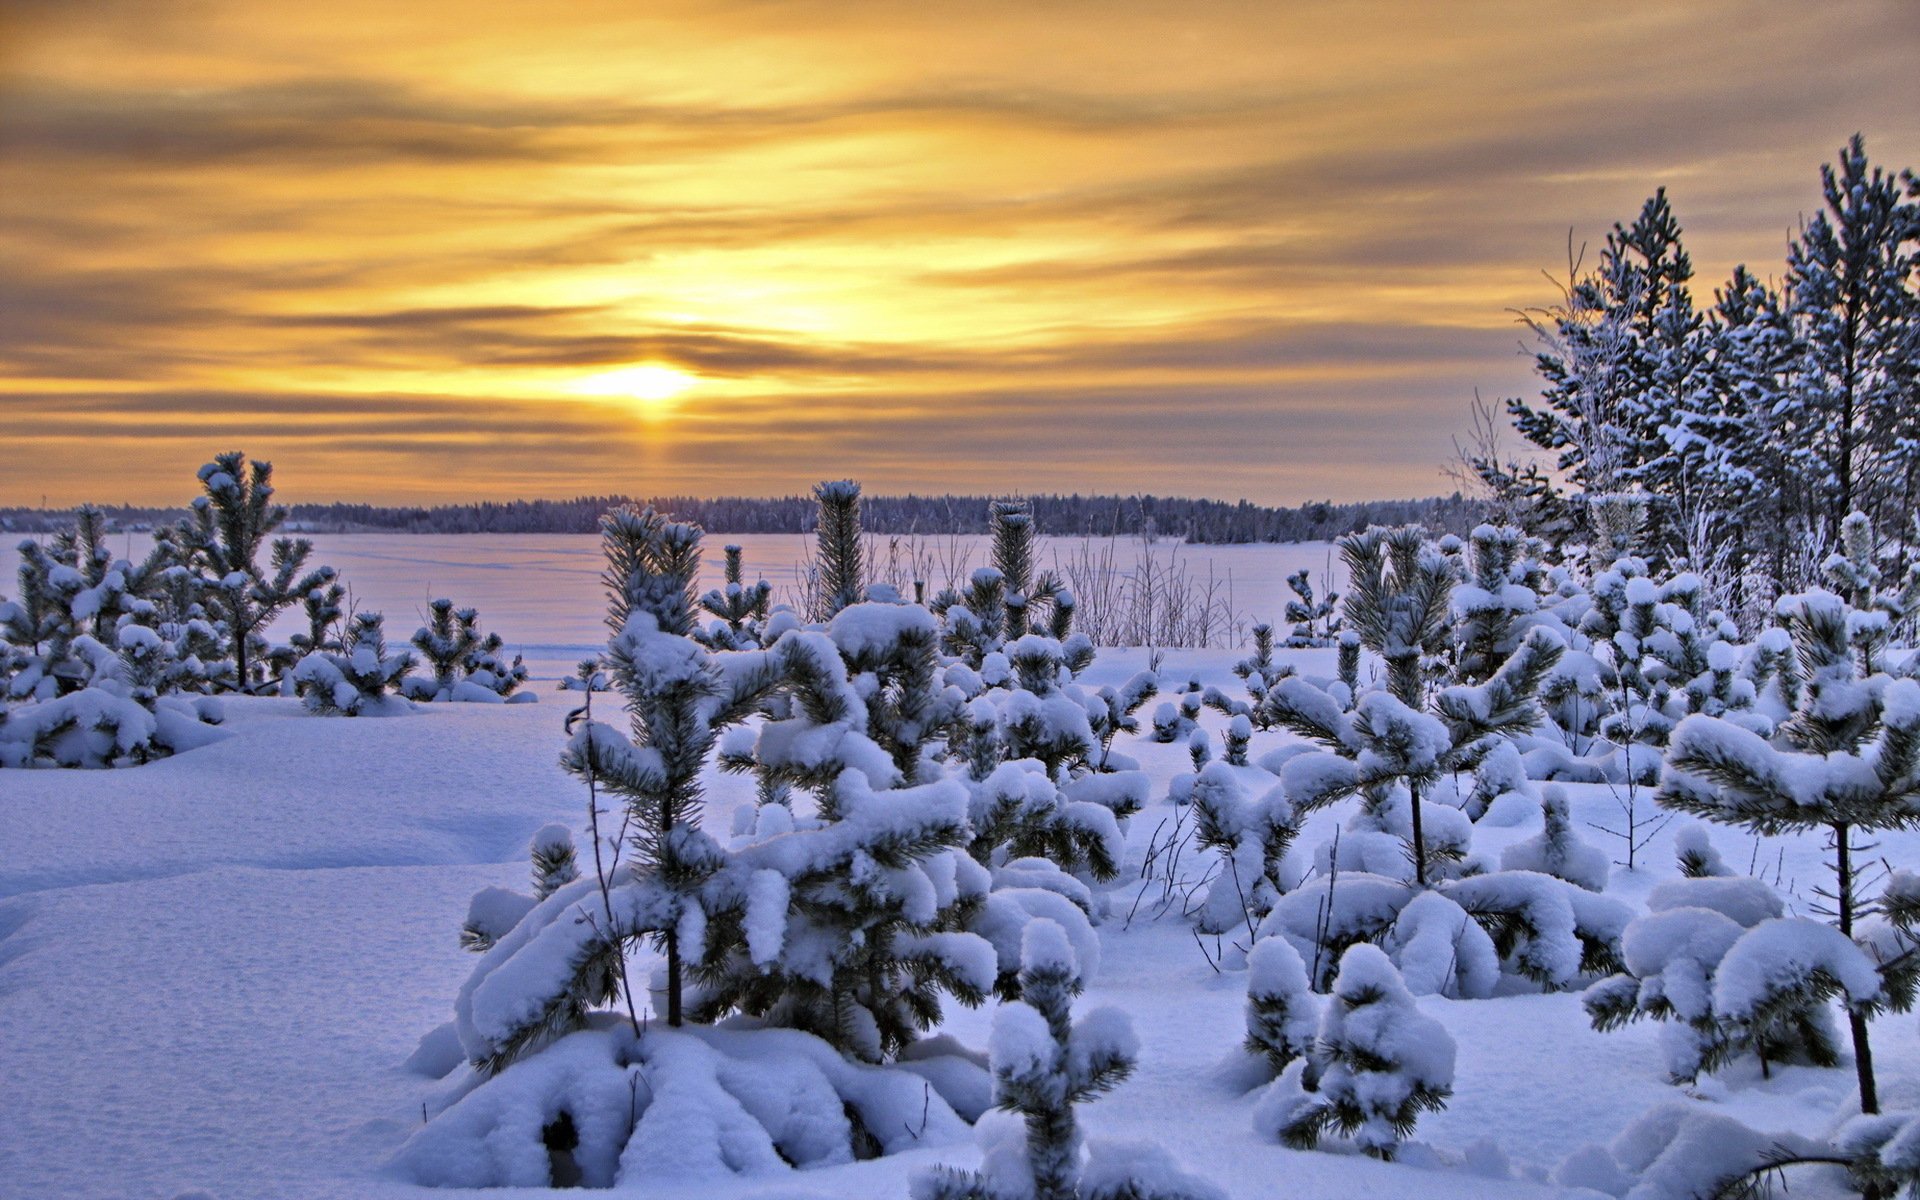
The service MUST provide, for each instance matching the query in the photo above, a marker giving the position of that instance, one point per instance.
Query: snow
(1781, 955)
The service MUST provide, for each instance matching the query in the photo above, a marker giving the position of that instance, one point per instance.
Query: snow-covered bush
(1044, 1064)
(494, 911)
(1673, 958)
(1250, 835)
(92, 659)
(1382, 1062)
(694, 1106)
(463, 663)
(361, 679)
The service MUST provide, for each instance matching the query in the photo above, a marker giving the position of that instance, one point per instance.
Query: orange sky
(419, 250)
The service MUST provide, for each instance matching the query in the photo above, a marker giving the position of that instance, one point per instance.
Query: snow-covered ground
(213, 967)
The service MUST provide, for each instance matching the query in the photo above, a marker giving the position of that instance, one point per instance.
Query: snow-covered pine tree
(740, 607)
(444, 643)
(1398, 590)
(1396, 604)
(677, 700)
(1037, 601)
(555, 862)
(1851, 303)
(222, 539)
(1694, 853)
(1490, 606)
(840, 555)
(1314, 619)
(362, 678)
(1382, 1063)
(1114, 713)
(1261, 672)
(1250, 835)
(1715, 960)
(1558, 850)
(1852, 572)
(973, 623)
(1044, 1064)
(1764, 473)
(1847, 761)
(494, 911)
(1283, 1014)
(324, 608)
(487, 667)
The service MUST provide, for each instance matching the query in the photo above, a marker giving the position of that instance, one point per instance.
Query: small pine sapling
(554, 861)
(1382, 1063)
(1558, 850)
(1314, 620)
(222, 538)
(1044, 1064)
(677, 701)
(739, 607)
(362, 678)
(1283, 1014)
(444, 643)
(841, 556)
(1489, 607)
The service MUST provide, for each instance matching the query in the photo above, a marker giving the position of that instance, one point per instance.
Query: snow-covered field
(213, 967)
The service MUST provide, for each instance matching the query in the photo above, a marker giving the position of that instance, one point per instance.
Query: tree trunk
(673, 977)
(1856, 1021)
(1419, 839)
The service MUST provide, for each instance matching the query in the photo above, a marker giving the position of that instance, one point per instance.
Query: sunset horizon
(414, 257)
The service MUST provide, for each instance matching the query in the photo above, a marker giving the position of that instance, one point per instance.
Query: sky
(424, 251)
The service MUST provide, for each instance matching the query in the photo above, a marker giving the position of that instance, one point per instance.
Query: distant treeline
(1211, 521)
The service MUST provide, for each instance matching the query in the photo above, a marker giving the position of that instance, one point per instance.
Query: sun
(648, 382)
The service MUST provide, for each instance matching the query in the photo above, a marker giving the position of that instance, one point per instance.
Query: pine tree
(1035, 602)
(1850, 287)
(1251, 836)
(1314, 622)
(1846, 761)
(223, 537)
(1044, 1064)
(449, 636)
(739, 606)
(362, 678)
(1382, 1062)
(1490, 606)
(677, 700)
(842, 571)
(1558, 850)
(1283, 1014)
(555, 864)
(1620, 357)
(1397, 606)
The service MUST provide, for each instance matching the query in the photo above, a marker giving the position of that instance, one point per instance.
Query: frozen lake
(542, 592)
